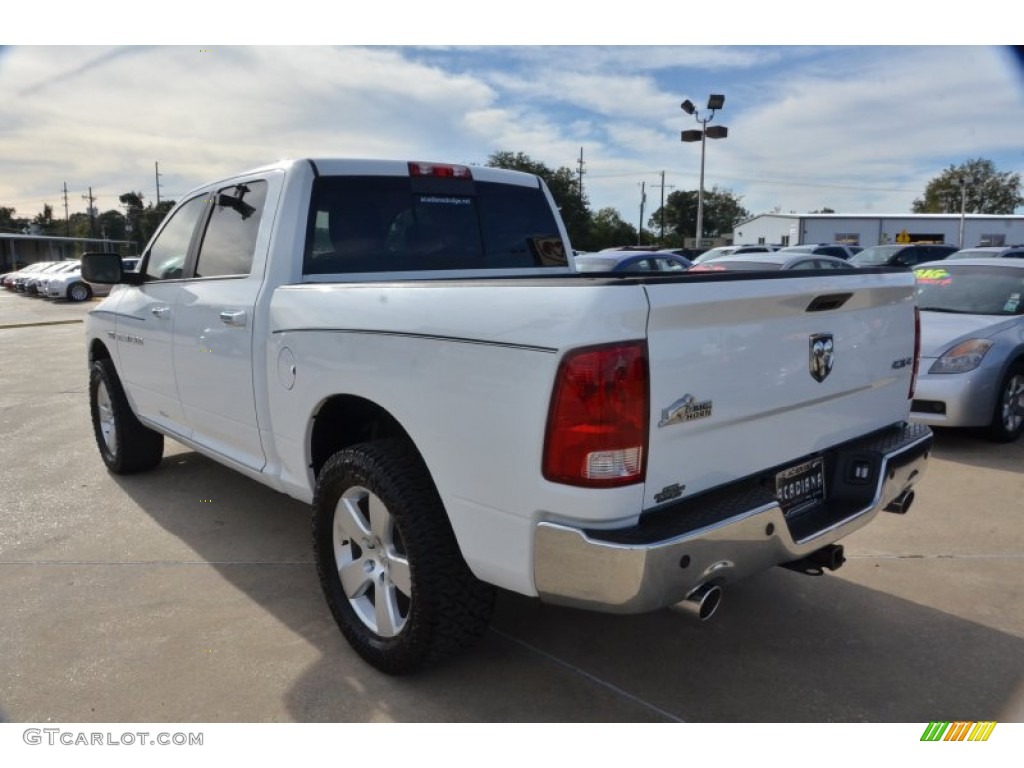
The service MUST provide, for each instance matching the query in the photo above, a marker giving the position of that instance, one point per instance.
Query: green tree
(572, 206)
(11, 223)
(141, 220)
(987, 190)
(722, 212)
(111, 224)
(608, 230)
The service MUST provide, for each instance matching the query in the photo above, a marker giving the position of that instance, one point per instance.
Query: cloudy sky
(856, 128)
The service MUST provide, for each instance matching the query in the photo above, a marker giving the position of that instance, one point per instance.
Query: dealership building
(877, 229)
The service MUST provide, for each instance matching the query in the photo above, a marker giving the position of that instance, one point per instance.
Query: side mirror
(107, 268)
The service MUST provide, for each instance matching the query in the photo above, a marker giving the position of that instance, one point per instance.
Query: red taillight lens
(440, 171)
(597, 426)
(917, 352)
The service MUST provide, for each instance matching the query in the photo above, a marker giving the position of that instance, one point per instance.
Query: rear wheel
(126, 446)
(389, 565)
(1008, 418)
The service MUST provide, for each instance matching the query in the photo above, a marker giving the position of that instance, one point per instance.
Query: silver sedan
(972, 346)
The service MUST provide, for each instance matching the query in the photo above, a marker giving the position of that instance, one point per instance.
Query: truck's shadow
(784, 647)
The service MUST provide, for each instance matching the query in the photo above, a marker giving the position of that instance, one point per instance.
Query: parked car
(906, 255)
(35, 285)
(771, 261)
(11, 278)
(990, 252)
(839, 250)
(972, 345)
(729, 250)
(22, 280)
(70, 285)
(632, 261)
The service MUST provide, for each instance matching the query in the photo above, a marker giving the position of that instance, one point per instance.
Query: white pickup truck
(408, 347)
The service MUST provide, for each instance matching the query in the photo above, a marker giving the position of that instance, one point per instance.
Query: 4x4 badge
(822, 355)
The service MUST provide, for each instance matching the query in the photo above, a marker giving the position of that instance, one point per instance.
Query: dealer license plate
(801, 486)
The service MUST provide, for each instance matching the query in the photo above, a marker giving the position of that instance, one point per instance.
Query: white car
(732, 250)
(772, 261)
(69, 283)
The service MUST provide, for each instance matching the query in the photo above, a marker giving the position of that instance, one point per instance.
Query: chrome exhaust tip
(702, 602)
(901, 504)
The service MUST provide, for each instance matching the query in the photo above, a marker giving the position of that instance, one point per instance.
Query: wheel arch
(98, 351)
(344, 420)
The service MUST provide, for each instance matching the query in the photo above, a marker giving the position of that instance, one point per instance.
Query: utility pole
(92, 213)
(661, 237)
(67, 219)
(643, 200)
(156, 166)
(579, 175)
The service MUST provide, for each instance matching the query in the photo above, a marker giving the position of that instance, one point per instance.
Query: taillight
(597, 425)
(440, 170)
(917, 352)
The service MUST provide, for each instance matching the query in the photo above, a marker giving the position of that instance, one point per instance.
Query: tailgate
(753, 373)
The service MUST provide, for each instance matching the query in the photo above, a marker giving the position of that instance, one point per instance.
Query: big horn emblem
(822, 355)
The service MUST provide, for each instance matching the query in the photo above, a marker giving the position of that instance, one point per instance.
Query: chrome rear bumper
(725, 534)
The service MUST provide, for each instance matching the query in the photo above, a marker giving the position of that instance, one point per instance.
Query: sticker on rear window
(551, 251)
(1012, 303)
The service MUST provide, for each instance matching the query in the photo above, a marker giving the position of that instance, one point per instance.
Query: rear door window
(400, 224)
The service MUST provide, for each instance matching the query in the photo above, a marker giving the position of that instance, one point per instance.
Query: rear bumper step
(728, 533)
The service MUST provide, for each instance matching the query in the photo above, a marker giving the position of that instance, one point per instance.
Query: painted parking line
(41, 322)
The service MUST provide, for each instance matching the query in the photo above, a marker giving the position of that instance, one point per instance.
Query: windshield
(974, 290)
(880, 254)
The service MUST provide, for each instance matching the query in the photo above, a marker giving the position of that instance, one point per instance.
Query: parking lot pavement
(21, 309)
(188, 594)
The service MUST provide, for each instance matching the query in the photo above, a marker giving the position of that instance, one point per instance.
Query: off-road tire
(125, 444)
(407, 545)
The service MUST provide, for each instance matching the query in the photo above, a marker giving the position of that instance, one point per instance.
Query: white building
(877, 229)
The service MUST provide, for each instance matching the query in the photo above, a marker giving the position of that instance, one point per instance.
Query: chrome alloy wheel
(372, 563)
(108, 425)
(78, 292)
(1013, 403)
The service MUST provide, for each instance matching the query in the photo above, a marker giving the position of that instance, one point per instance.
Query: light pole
(963, 181)
(715, 102)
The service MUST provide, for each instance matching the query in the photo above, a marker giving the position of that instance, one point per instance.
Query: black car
(906, 255)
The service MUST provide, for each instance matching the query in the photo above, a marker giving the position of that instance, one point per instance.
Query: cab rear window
(406, 224)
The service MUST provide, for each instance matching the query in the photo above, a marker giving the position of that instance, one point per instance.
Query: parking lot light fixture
(716, 101)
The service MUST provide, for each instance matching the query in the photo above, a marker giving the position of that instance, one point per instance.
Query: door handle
(235, 317)
(160, 311)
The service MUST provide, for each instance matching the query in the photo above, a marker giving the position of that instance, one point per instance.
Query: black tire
(1008, 414)
(126, 446)
(79, 292)
(429, 605)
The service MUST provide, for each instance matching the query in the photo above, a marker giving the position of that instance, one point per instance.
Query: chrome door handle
(160, 311)
(235, 317)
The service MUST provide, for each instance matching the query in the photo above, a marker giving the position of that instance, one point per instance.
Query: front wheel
(125, 444)
(389, 565)
(1008, 418)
